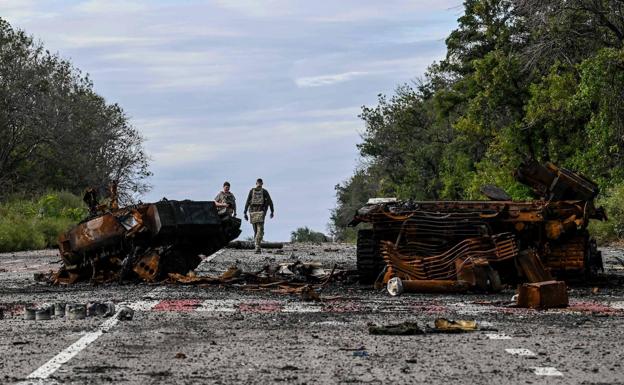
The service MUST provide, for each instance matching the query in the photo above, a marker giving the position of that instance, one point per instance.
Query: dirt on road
(222, 334)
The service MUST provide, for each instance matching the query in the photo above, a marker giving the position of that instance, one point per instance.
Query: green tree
(55, 130)
(304, 234)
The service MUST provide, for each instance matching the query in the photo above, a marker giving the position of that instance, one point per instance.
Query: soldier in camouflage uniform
(225, 201)
(258, 202)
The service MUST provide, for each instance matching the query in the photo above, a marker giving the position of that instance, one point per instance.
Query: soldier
(225, 201)
(258, 202)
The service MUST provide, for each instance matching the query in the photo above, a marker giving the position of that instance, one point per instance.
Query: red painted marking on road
(260, 307)
(178, 305)
(593, 307)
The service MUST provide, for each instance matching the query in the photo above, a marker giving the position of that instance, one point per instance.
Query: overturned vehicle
(479, 245)
(145, 241)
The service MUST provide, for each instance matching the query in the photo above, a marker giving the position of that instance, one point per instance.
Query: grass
(31, 224)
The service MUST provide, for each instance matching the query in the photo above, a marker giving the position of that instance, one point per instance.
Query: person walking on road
(225, 201)
(258, 203)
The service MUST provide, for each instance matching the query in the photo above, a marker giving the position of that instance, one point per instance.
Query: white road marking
(72, 350)
(141, 305)
(618, 305)
(546, 371)
(301, 308)
(520, 352)
(47, 369)
(498, 336)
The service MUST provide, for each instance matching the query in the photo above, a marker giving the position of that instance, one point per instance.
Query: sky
(240, 89)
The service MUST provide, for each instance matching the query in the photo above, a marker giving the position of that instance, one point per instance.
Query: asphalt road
(189, 334)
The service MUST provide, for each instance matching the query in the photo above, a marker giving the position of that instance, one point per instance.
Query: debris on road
(75, 311)
(543, 295)
(249, 245)
(396, 286)
(401, 329)
(306, 279)
(443, 325)
(144, 241)
(125, 313)
(455, 246)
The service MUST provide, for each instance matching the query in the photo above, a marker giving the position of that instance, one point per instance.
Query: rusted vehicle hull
(145, 241)
(442, 240)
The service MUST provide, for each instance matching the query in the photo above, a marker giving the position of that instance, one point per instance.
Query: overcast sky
(239, 89)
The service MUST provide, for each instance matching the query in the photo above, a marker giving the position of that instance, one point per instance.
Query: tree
(304, 234)
(56, 132)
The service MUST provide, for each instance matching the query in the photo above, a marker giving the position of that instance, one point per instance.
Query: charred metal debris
(455, 246)
(147, 241)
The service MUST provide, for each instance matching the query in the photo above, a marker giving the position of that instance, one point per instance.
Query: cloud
(257, 9)
(324, 80)
(22, 11)
(111, 6)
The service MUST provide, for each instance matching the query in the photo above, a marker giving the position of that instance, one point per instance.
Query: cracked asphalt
(222, 335)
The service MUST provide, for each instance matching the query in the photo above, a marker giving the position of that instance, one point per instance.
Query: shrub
(613, 203)
(304, 234)
(30, 224)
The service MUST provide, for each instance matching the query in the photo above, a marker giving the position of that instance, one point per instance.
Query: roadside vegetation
(35, 223)
(520, 79)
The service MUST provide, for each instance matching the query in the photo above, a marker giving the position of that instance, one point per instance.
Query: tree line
(524, 78)
(56, 132)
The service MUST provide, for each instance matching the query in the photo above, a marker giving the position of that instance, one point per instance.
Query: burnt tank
(512, 240)
(145, 241)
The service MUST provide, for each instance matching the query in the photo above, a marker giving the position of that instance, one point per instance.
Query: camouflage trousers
(258, 233)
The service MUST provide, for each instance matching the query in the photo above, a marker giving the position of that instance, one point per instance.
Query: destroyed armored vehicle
(145, 241)
(484, 243)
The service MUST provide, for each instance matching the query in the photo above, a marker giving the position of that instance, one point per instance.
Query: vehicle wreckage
(438, 246)
(146, 241)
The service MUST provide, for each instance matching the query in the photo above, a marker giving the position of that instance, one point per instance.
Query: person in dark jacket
(258, 203)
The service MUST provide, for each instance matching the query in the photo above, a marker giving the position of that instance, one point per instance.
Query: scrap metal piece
(75, 311)
(125, 314)
(531, 266)
(148, 266)
(443, 325)
(543, 295)
(29, 314)
(494, 193)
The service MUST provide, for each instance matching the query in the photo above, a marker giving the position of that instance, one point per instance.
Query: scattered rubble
(306, 279)
(249, 245)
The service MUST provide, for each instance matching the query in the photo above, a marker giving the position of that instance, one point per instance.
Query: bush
(304, 234)
(30, 224)
(613, 229)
